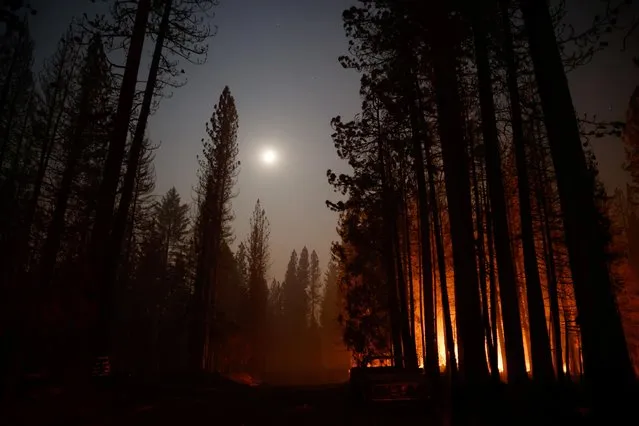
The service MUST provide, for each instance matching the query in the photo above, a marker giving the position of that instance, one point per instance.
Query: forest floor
(221, 401)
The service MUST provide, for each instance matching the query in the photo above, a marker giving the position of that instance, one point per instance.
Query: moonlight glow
(269, 157)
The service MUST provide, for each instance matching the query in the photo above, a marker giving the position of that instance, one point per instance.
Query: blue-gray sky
(279, 58)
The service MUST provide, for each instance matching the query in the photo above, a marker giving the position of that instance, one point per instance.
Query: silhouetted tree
(16, 113)
(314, 289)
(334, 353)
(505, 265)
(541, 362)
(295, 309)
(304, 277)
(90, 123)
(160, 290)
(606, 361)
(99, 263)
(258, 258)
(631, 145)
(218, 172)
(180, 33)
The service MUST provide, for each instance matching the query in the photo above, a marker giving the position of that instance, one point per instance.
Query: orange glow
(441, 343)
(554, 268)
(500, 361)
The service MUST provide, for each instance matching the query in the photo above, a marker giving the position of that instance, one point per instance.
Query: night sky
(279, 58)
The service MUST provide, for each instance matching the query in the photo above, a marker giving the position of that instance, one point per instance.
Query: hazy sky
(279, 58)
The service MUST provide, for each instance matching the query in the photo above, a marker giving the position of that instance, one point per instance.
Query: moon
(269, 157)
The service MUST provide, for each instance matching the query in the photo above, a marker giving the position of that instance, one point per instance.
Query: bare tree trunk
(393, 291)
(421, 299)
(135, 152)
(4, 148)
(197, 338)
(409, 267)
(495, 312)
(56, 226)
(6, 89)
(607, 362)
(109, 185)
(52, 126)
(540, 343)
(115, 244)
(470, 335)
(567, 343)
(552, 291)
(481, 252)
(15, 165)
(451, 358)
(430, 324)
(410, 352)
(505, 267)
(549, 258)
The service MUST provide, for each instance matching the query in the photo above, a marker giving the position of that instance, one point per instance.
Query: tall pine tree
(218, 173)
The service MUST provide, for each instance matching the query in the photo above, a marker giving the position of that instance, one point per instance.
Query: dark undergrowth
(41, 401)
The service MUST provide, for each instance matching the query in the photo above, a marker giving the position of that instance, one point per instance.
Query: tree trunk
(553, 298)
(505, 268)
(198, 308)
(410, 352)
(567, 343)
(472, 359)
(409, 266)
(52, 126)
(540, 344)
(541, 184)
(6, 87)
(15, 166)
(430, 324)
(420, 279)
(135, 151)
(115, 244)
(606, 359)
(109, 185)
(495, 312)
(4, 148)
(57, 225)
(481, 253)
(393, 302)
(451, 358)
